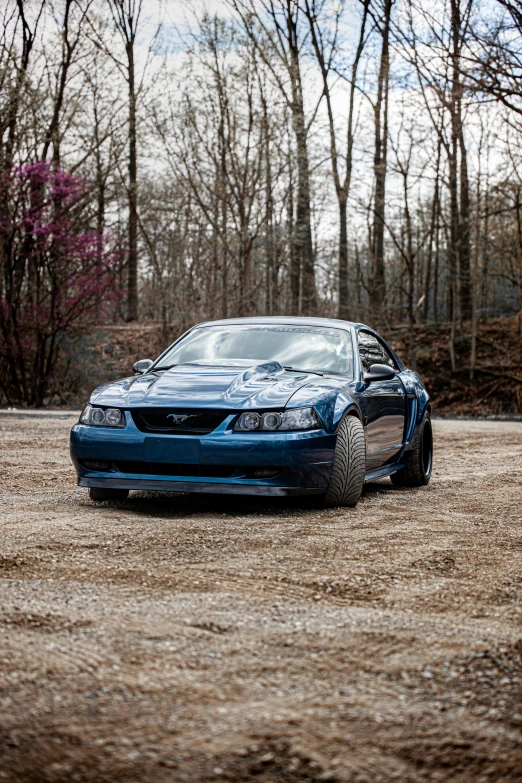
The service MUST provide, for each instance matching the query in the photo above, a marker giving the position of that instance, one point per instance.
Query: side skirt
(387, 470)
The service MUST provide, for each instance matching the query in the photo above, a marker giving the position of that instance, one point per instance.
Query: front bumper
(302, 461)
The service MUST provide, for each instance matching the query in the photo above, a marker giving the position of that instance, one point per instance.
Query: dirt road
(177, 638)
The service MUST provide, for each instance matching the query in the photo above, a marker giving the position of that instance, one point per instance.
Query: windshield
(299, 347)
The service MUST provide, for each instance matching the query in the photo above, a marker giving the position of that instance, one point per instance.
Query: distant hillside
(496, 386)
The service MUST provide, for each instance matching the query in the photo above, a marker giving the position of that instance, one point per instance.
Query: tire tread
(347, 477)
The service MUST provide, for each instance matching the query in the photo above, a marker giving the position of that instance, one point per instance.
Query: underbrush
(492, 388)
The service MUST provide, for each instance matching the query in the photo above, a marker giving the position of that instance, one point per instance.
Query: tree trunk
(295, 267)
(518, 215)
(12, 262)
(433, 224)
(436, 267)
(485, 255)
(460, 217)
(453, 175)
(454, 220)
(269, 220)
(132, 279)
(224, 219)
(377, 289)
(410, 266)
(343, 309)
(303, 226)
(464, 239)
(342, 186)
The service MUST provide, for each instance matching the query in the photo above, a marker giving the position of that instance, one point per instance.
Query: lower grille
(177, 469)
(174, 469)
(177, 421)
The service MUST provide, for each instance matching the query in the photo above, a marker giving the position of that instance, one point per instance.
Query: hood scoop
(256, 380)
(261, 372)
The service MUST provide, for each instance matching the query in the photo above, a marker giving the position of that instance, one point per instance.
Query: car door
(383, 404)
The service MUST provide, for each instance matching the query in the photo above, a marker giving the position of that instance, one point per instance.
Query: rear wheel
(347, 477)
(100, 494)
(419, 461)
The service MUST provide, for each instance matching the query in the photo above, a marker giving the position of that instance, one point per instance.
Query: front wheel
(347, 478)
(100, 494)
(419, 461)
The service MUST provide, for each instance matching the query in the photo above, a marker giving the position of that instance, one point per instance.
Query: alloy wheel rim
(427, 449)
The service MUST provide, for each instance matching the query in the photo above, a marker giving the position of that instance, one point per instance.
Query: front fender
(332, 399)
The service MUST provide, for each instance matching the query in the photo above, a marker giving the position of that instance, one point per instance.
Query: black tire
(100, 494)
(419, 461)
(347, 477)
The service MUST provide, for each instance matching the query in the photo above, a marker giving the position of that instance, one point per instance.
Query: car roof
(294, 320)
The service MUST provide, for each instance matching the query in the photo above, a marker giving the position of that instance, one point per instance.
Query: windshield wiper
(298, 369)
(293, 369)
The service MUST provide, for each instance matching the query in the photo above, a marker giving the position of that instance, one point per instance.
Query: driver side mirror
(142, 366)
(379, 372)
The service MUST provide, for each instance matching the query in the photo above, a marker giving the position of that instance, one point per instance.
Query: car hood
(225, 387)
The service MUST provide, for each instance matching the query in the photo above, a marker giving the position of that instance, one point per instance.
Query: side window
(370, 351)
(387, 357)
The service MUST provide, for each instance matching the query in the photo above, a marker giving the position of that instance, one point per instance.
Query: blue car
(259, 406)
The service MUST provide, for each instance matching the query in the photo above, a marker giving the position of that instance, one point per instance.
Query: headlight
(98, 417)
(298, 419)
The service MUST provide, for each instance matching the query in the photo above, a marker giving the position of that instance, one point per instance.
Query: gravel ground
(185, 638)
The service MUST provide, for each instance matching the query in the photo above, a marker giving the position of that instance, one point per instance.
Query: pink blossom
(59, 273)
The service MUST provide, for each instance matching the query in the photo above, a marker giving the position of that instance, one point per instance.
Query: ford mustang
(259, 406)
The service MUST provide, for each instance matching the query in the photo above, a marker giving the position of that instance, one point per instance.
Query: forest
(164, 163)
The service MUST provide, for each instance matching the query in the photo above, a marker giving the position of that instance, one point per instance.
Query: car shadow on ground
(379, 486)
(176, 504)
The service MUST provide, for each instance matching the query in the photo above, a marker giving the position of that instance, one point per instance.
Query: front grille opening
(176, 469)
(203, 471)
(176, 421)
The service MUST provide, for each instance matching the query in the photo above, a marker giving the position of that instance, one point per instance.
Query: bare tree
(381, 107)
(125, 16)
(275, 28)
(408, 236)
(18, 36)
(432, 278)
(460, 11)
(325, 51)
(72, 20)
(494, 63)
(439, 61)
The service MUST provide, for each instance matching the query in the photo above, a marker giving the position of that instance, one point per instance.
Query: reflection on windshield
(307, 348)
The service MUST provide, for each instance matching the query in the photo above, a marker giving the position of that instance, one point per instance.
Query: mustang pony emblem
(178, 418)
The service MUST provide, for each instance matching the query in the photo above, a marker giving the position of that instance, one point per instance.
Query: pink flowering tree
(57, 276)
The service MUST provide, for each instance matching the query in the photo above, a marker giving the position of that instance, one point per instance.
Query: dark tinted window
(387, 357)
(370, 351)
